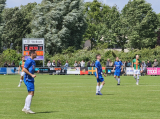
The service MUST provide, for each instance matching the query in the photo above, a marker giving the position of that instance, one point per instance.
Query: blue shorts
(100, 79)
(117, 73)
(29, 85)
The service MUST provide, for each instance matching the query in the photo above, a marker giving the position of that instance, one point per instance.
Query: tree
(115, 30)
(158, 38)
(16, 25)
(95, 12)
(158, 32)
(159, 18)
(9, 56)
(2, 5)
(60, 22)
(141, 23)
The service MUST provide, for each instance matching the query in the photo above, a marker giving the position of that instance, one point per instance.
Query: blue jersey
(99, 67)
(30, 66)
(118, 66)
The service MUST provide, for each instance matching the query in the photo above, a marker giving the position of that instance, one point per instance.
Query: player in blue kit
(117, 69)
(98, 75)
(29, 69)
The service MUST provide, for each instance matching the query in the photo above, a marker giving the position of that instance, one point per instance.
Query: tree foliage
(2, 5)
(9, 56)
(115, 29)
(16, 25)
(141, 23)
(60, 22)
(95, 13)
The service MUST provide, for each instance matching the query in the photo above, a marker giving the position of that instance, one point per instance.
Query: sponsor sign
(43, 70)
(153, 71)
(73, 70)
(3, 70)
(57, 70)
(37, 58)
(12, 70)
(104, 69)
(83, 70)
(109, 70)
(129, 71)
(91, 70)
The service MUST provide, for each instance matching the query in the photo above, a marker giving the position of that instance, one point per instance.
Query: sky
(120, 3)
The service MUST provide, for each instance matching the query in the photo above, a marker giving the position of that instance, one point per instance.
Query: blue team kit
(99, 68)
(117, 66)
(28, 80)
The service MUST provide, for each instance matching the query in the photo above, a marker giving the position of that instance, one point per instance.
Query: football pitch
(73, 97)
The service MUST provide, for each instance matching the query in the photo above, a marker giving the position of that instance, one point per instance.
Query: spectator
(129, 64)
(143, 64)
(9, 65)
(110, 63)
(93, 64)
(149, 64)
(79, 64)
(89, 64)
(53, 63)
(155, 64)
(107, 63)
(59, 63)
(82, 63)
(75, 64)
(66, 65)
(49, 64)
(5, 64)
(124, 69)
(13, 64)
(125, 63)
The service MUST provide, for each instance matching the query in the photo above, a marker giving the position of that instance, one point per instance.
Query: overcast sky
(120, 3)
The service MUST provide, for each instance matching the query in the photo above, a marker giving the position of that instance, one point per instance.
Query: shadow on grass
(46, 112)
(108, 94)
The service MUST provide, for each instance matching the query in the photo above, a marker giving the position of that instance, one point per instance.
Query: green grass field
(73, 97)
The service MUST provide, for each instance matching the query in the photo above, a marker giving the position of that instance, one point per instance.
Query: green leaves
(62, 25)
(16, 25)
(9, 56)
(141, 23)
(2, 5)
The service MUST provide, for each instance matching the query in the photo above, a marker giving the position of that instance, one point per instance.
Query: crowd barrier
(77, 70)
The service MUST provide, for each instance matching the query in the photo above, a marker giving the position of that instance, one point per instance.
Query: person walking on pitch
(98, 75)
(29, 69)
(21, 66)
(117, 69)
(136, 63)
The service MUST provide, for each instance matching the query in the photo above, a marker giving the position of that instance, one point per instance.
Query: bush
(79, 55)
(9, 56)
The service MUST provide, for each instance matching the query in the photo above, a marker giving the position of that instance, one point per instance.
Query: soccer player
(29, 69)
(98, 75)
(118, 68)
(21, 66)
(136, 63)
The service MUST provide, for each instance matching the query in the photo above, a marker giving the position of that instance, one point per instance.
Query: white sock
(97, 89)
(20, 81)
(138, 81)
(137, 77)
(28, 101)
(25, 106)
(118, 80)
(100, 87)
